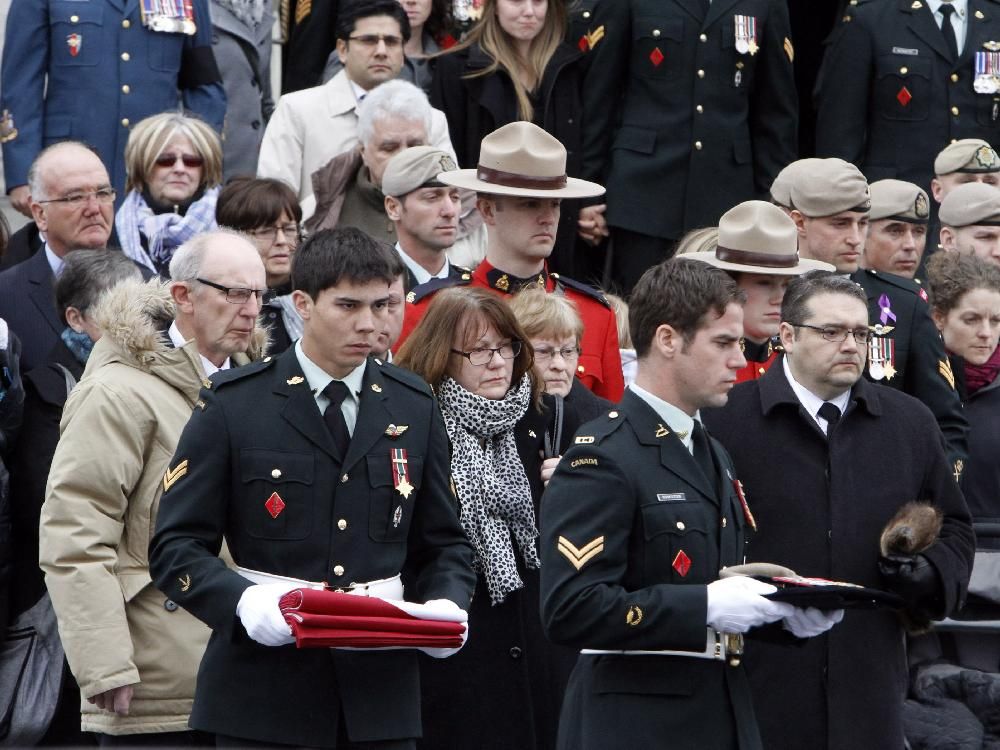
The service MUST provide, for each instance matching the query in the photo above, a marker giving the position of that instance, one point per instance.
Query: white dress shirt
(810, 401)
(318, 379)
(206, 364)
(959, 19)
(675, 419)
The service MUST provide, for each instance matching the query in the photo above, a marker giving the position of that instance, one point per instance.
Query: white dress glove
(449, 607)
(259, 613)
(806, 623)
(737, 604)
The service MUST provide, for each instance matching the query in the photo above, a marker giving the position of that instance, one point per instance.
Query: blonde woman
(174, 167)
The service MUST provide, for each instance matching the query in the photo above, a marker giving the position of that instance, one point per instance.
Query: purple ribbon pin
(887, 313)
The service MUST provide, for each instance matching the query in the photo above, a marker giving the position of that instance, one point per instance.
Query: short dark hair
(803, 288)
(87, 274)
(678, 292)
(353, 11)
(343, 253)
(248, 203)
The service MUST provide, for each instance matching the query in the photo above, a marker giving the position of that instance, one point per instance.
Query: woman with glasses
(174, 167)
(268, 211)
(504, 688)
(554, 329)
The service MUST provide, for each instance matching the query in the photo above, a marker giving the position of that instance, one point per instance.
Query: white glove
(806, 623)
(737, 604)
(259, 613)
(448, 606)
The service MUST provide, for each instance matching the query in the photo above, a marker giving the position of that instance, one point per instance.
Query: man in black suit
(73, 204)
(295, 463)
(828, 459)
(642, 514)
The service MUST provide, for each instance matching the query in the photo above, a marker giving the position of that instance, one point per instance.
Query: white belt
(718, 646)
(384, 588)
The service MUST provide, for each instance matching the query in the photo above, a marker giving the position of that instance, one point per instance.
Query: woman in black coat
(504, 689)
(513, 65)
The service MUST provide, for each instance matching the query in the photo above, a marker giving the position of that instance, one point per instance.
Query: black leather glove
(914, 579)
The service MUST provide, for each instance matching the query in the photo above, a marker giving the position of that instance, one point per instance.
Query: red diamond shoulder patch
(275, 505)
(656, 57)
(682, 563)
(904, 96)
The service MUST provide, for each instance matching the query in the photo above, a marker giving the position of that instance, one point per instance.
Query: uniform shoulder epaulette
(586, 289)
(404, 376)
(224, 377)
(597, 429)
(900, 282)
(420, 291)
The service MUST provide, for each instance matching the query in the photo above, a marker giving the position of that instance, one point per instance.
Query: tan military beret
(828, 187)
(758, 237)
(898, 200)
(972, 204)
(418, 166)
(967, 155)
(781, 188)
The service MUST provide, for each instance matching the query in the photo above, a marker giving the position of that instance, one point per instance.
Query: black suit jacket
(258, 431)
(28, 305)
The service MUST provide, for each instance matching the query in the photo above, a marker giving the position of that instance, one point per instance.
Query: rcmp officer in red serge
(295, 464)
(831, 204)
(903, 78)
(520, 180)
(690, 107)
(642, 513)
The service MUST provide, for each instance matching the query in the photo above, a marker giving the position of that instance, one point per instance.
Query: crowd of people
(524, 314)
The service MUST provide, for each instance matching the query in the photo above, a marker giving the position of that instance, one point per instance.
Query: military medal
(987, 66)
(169, 16)
(881, 358)
(746, 34)
(7, 130)
(400, 471)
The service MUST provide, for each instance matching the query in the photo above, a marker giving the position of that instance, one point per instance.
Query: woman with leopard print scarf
(504, 689)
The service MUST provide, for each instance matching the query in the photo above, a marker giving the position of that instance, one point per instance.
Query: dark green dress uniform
(631, 533)
(256, 434)
(679, 124)
(890, 96)
(907, 353)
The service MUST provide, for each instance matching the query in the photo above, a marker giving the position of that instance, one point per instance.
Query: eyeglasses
(104, 196)
(270, 234)
(371, 40)
(838, 334)
(168, 160)
(545, 353)
(240, 295)
(484, 355)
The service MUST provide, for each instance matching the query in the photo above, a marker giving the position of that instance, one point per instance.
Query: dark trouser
(157, 739)
(633, 253)
(343, 743)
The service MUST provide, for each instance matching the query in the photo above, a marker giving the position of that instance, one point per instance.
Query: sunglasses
(168, 160)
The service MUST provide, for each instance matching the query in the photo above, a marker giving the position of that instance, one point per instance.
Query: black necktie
(702, 453)
(949, 31)
(336, 391)
(831, 414)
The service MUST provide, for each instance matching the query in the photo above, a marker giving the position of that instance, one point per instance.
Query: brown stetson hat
(521, 159)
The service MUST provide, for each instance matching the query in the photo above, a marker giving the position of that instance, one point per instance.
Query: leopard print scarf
(493, 490)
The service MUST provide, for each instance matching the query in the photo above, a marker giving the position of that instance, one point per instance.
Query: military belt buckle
(733, 643)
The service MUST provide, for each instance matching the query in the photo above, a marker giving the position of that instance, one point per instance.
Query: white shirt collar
(318, 378)
(961, 7)
(810, 401)
(55, 262)
(676, 419)
(359, 93)
(206, 364)
(421, 274)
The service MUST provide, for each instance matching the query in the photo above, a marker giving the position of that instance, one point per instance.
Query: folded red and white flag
(325, 619)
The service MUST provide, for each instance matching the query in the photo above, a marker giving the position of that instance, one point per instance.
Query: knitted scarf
(164, 232)
(977, 376)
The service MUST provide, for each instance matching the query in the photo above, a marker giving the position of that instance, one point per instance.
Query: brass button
(126, 57)
(697, 145)
(760, 371)
(724, 522)
(701, 73)
(276, 473)
(656, 32)
(954, 77)
(126, 89)
(613, 414)
(681, 526)
(579, 368)
(74, 19)
(343, 479)
(342, 524)
(904, 70)
(125, 121)
(699, 109)
(338, 570)
(586, 14)
(126, 23)
(954, 111)
(703, 38)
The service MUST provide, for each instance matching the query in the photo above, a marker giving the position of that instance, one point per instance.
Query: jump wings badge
(400, 471)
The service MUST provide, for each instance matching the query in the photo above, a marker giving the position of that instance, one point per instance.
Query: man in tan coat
(134, 653)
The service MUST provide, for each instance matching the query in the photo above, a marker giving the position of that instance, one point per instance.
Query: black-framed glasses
(189, 160)
(838, 334)
(391, 41)
(270, 234)
(545, 353)
(240, 295)
(483, 355)
(104, 196)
